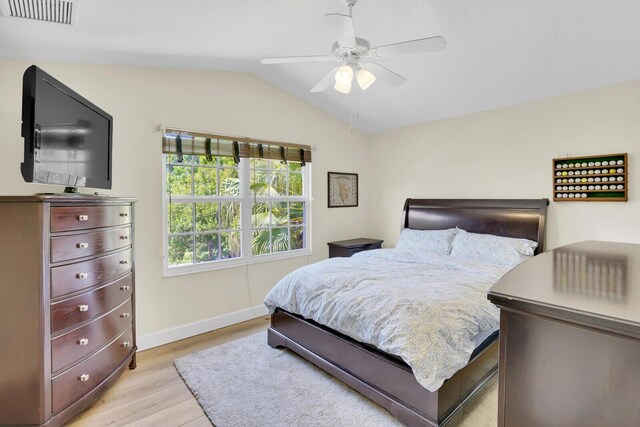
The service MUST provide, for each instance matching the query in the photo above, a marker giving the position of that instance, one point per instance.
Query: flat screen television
(67, 138)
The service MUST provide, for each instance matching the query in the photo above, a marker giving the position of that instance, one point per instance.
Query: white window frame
(245, 199)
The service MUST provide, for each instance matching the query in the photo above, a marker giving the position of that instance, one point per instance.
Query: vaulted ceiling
(499, 52)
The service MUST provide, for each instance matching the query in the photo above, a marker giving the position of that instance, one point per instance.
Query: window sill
(232, 263)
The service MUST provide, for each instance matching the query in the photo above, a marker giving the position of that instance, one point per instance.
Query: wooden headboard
(520, 218)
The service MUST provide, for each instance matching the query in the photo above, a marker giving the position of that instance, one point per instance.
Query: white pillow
(493, 250)
(433, 241)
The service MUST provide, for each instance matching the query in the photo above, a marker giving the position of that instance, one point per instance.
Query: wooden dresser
(570, 338)
(67, 304)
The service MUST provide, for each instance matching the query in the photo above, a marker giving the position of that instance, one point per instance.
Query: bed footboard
(386, 381)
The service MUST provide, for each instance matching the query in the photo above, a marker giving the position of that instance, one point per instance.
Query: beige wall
(507, 153)
(229, 103)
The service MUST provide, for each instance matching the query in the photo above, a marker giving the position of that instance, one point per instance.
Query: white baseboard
(177, 333)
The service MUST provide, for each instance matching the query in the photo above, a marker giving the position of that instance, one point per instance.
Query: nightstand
(346, 248)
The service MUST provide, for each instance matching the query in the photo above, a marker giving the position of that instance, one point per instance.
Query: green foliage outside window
(270, 220)
(207, 231)
(210, 230)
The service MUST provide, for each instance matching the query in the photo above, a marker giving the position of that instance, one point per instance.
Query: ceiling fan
(356, 54)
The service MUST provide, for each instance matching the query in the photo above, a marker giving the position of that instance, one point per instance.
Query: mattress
(430, 310)
(479, 339)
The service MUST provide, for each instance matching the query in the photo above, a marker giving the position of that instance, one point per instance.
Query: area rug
(247, 383)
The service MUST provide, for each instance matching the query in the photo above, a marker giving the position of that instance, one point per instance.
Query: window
(222, 213)
(277, 207)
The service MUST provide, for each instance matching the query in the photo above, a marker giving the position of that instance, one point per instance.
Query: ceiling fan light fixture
(344, 76)
(351, 51)
(342, 88)
(365, 78)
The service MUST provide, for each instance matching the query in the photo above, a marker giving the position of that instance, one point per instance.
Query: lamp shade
(365, 78)
(344, 75)
(342, 88)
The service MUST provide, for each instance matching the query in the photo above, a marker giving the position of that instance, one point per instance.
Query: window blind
(183, 142)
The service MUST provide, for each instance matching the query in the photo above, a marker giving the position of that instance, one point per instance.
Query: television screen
(67, 138)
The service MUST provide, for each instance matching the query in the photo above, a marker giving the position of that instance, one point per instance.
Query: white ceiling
(499, 52)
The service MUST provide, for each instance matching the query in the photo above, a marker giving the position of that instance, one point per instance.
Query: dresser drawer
(80, 379)
(74, 277)
(74, 246)
(74, 345)
(69, 218)
(72, 311)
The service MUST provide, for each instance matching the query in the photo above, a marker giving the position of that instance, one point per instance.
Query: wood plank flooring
(153, 394)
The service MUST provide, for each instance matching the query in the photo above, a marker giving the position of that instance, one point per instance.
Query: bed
(384, 377)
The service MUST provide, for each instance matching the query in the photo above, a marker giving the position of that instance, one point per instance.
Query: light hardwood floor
(153, 394)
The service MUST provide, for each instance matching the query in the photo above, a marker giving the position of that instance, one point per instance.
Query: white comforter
(424, 308)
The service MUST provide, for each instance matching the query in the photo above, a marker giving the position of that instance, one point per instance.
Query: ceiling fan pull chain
(351, 113)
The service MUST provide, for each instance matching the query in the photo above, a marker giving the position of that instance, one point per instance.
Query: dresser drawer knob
(124, 214)
(124, 288)
(126, 344)
(124, 237)
(124, 262)
(83, 308)
(84, 378)
(83, 341)
(82, 245)
(125, 315)
(83, 217)
(82, 275)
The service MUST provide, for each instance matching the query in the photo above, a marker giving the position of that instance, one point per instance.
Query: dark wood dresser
(346, 248)
(570, 338)
(67, 305)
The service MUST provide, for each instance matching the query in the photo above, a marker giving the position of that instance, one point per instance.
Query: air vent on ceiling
(56, 11)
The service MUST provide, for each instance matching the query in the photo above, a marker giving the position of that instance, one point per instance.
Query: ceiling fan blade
(430, 44)
(288, 59)
(342, 27)
(385, 74)
(325, 82)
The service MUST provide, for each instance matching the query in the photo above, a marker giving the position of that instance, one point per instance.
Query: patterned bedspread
(424, 308)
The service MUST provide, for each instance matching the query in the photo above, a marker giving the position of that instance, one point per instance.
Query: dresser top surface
(76, 198)
(597, 279)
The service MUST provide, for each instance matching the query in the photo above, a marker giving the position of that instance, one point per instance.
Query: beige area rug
(247, 383)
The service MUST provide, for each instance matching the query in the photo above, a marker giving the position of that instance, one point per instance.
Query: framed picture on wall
(343, 189)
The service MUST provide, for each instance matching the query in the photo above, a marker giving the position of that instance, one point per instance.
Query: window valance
(183, 142)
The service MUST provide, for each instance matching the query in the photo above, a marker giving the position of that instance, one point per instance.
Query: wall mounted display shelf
(603, 178)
